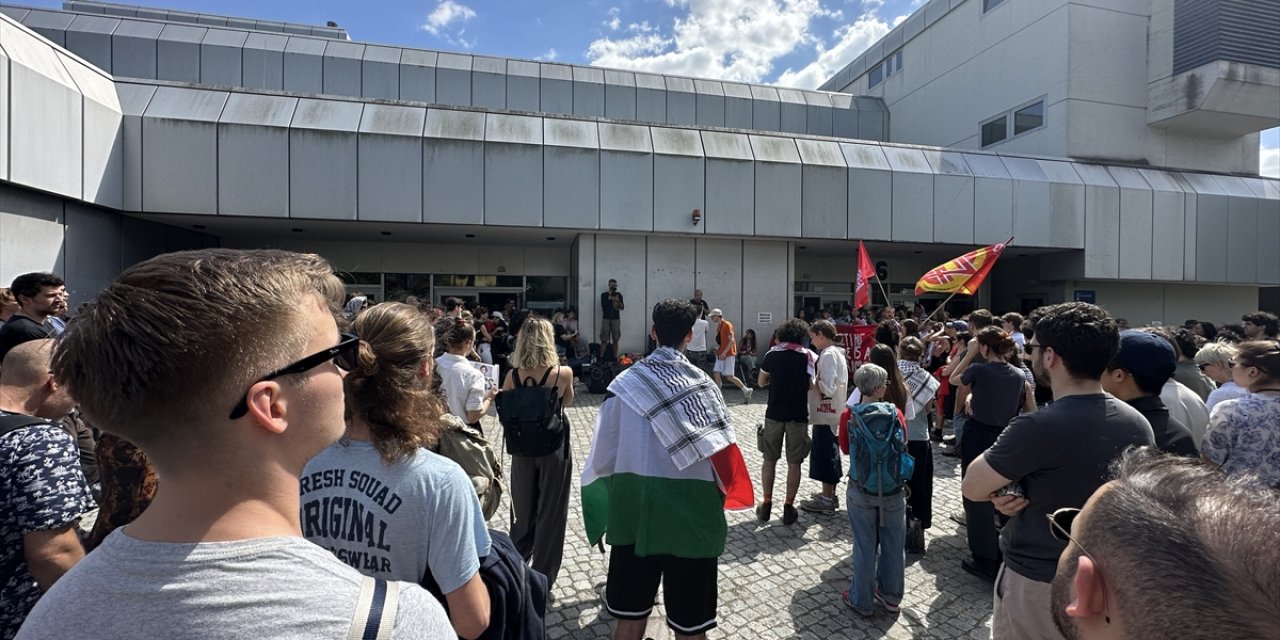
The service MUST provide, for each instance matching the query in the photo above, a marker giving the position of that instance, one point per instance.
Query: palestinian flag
(659, 509)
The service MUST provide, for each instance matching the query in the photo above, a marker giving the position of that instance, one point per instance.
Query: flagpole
(943, 306)
(883, 292)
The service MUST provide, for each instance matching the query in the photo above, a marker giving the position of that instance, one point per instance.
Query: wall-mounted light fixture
(697, 216)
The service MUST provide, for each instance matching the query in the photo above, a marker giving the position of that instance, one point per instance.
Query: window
(891, 65)
(988, 5)
(994, 131)
(1013, 123)
(1028, 117)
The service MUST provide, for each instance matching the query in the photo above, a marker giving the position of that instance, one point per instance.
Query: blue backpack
(878, 460)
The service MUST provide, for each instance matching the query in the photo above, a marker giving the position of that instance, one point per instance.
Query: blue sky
(790, 42)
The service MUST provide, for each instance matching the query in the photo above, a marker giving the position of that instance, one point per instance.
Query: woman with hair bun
(378, 498)
(463, 385)
(998, 391)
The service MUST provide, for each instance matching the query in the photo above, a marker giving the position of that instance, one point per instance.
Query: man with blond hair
(229, 407)
(42, 491)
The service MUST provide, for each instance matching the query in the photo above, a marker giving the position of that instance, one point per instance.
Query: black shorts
(689, 589)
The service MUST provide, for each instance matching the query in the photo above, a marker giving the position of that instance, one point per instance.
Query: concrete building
(125, 132)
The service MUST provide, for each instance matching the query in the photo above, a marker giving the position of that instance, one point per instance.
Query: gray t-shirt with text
(266, 588)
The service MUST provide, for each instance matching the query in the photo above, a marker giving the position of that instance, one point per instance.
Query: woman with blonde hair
(540, 485)
(378, 498)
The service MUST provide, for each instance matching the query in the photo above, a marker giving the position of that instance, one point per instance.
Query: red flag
(862, 283)
(961, 275)
(734, 480)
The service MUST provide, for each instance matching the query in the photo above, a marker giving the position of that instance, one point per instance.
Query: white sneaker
(746, 395)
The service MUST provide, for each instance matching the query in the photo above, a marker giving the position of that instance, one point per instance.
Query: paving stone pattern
(779, 581)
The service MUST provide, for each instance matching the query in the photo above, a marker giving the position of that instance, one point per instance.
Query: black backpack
(599, 376)
(517, 593)
(14, 421)
(532, 417)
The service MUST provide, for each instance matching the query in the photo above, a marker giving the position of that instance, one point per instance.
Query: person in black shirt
(39, 296)
(1056, 457)
(697, 301)
(1136, 375)
(786, 370)
(611, 321)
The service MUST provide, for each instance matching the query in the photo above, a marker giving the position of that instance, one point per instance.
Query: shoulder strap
(375, 615)
(546, 375)
(13, 422)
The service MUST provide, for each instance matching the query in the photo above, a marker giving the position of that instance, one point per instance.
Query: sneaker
(763, 510)
(819, 504)
(789, 514)
(746, 396)
(890, 606)
(866, 614)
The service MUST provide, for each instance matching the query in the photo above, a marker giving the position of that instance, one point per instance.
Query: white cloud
(614, 22)
(852, 40)
(727, 39)
(1269, 161)
(550, 55)
(449, 14)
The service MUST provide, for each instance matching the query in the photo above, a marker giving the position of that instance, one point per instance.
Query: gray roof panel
(328, 115)
(454, 125)
(180, 103)
(393, 120)
(258, 110)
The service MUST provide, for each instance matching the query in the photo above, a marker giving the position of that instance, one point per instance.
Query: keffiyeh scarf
(682, 403)
(921, 385)
(811, 356)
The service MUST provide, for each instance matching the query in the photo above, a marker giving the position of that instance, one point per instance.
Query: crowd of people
(175, 467)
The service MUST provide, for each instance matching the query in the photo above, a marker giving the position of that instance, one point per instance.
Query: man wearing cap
(727, 353)
(1137, 373)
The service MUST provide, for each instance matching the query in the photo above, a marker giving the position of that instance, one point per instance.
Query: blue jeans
(957, 424)
(885, 560)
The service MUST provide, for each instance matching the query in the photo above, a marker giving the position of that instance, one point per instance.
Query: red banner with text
(857, 342)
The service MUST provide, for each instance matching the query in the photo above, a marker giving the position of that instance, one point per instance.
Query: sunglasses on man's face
(343, 355)
(1060, 522)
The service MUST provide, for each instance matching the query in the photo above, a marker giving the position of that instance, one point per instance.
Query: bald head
(27, 365)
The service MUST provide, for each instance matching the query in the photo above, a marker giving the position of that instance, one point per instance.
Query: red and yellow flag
(961, 275)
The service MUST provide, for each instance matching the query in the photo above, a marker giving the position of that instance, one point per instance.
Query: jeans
(957, 424)
(887, 560)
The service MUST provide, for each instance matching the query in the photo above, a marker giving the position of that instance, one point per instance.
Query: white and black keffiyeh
(682, 403)
(921, 385)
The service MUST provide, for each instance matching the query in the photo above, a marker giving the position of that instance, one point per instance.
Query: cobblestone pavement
(780, 581)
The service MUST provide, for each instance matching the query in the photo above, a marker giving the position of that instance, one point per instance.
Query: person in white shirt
(830, 387)
(696, 352)
(1186, 407)
(463, 385)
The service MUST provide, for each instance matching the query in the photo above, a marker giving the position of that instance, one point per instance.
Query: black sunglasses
(1060, 527)
(1030, 348)
(343, 354)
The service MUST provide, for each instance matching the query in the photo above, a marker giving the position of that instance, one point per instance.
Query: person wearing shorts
(689, 589)
(786, 370)
(628, 460)
(726, 354)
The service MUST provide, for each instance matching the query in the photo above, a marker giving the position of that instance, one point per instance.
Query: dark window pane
(897, 60)
(988, 5)
(1028, 118)
(876, 77)
(510, 281)
(360, 278)
(994, 131)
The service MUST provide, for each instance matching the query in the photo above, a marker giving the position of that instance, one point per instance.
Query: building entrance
(495, 298)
